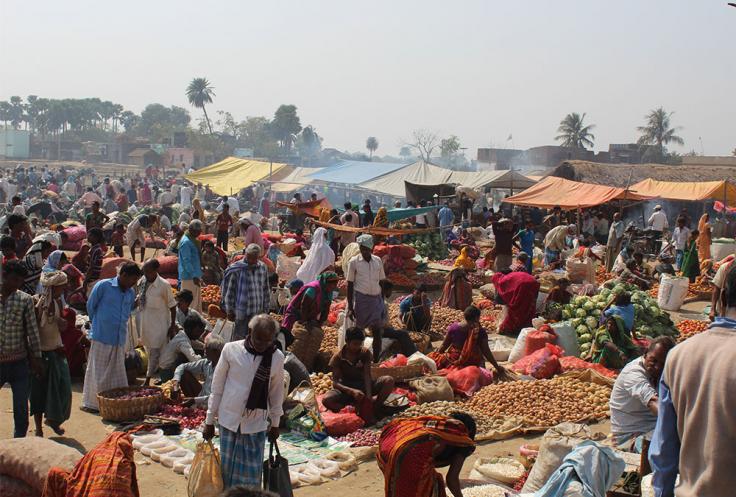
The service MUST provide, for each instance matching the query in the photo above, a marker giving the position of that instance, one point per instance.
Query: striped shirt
(18, 328)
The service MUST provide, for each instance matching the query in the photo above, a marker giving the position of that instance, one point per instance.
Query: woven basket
(422, 341)
(400, 373)
(116, 409)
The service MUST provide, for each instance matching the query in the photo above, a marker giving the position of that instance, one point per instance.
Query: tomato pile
(361, 438)
(136, 394)
(400, 279)
(188, 417)
(689, 328)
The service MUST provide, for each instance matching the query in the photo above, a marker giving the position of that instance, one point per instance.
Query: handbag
(205, 477)
(276, 473)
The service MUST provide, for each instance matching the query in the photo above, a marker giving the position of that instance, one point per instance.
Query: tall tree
(16, 112)
(449, 146)
(574, 133)
(129, 120)
(285, 126)
(200, 92)
(657, 134)
(423, 142)
(405, 152)
(372, 145)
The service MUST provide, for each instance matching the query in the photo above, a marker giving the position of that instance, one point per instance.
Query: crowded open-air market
(231, 310)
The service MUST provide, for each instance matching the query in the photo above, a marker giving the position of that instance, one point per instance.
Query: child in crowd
(211, 263)
(7, 246)
(224, 222)
(117, 240)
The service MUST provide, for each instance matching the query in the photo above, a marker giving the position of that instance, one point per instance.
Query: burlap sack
(432, 388)
(307, 342)
(30, 459)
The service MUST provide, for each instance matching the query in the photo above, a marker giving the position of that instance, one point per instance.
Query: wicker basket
(116, 409)
(400, 373)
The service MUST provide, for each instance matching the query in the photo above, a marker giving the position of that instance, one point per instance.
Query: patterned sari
(468, 355)
(405, 454)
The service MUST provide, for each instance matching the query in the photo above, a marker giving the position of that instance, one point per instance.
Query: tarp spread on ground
(552, 191)
(672, 190)
(231, 175)
(355, 172)
(297, 179)
(424, 173)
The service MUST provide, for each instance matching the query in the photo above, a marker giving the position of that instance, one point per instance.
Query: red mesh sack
(408, 252)
(168, 266)
(467, 381)
(524, 365)
(546, 365)
(340, 424)
(395, 362)
(380, 250)
(410, 264)
(538, 339)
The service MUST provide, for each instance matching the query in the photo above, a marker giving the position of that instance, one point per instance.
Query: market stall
(568, 195)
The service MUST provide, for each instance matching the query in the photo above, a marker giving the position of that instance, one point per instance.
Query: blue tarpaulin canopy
(354, 172)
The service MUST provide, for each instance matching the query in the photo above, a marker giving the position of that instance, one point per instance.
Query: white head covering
(365, 241)
(319, 258)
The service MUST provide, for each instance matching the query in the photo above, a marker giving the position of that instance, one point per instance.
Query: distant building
(143, 157)
(543, 157)
(15, 144)
(176, 156)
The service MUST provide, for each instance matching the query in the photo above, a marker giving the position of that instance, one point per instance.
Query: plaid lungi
(242, 457)
(105, 370)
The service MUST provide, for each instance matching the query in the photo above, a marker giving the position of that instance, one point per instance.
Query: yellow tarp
(696, 190)
(231, 175)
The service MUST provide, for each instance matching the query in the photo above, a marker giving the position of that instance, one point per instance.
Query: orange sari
(469, 355)
(405, 454)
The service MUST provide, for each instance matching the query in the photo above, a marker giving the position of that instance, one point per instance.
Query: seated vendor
(351, 379)
(415, 310)
(521, 263)
(559, 293)
(466, 344)
(634, 402)
(664, 266)
(186, 375)
(406, 345)
(621, 306)
(612, 346)
(179, 349)
(183, 309)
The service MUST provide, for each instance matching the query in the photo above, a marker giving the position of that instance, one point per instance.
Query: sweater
(702, 380)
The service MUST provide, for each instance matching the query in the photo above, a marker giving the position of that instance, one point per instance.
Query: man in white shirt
(658, 223)
(246, 400)
(348, 218)
(156, 318)
(634, 402)
(680, 236)
(232, 203)
(365, 298)
(186, 193)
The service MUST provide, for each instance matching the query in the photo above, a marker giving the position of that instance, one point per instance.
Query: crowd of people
(243, 379)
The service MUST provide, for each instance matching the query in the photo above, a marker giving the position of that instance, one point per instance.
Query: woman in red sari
(466, 344)
(410, 451)
(519, 292)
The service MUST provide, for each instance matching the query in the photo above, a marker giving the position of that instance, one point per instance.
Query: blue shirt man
(445, 216)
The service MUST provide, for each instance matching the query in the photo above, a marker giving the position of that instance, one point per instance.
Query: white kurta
(154, 317)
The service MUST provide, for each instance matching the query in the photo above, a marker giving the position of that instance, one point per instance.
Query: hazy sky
(479, 69)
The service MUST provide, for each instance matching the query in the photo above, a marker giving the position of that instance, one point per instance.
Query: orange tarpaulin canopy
(311, 208)
(552, 191)
(700, 190)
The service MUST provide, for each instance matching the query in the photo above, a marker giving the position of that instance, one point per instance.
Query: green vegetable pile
(429, 245)
(584, 314)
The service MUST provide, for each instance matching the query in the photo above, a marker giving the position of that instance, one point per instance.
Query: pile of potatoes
(485, 424)
(321, 382)
(543, 402)
(329, 340)
(442, 317)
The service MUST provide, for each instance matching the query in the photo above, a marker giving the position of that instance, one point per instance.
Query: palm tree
(200, 92)
(658, 132)
(372, 145)
(573, 133)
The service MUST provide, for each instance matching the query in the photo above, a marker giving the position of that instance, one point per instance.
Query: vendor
(634, 402)
(521, 263)
(458, 291)
(634, 273)
(352, 382)
(180, 345)
(185, 375)
(411, 450)
(612, 345)
(518, 291)
(664, 266)
(184, 301)
(559, 293)
(415, 310)
(621, 306)
(555, 242)
(311, 304)
(466, 344)
(465, 260)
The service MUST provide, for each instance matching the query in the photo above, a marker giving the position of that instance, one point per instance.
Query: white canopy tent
(424, 173)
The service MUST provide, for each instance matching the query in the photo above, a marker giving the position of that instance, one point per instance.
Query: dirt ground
(84, 431)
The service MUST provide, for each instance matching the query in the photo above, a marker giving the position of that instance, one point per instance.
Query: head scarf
(327, 276)
(365, 241)
(197, 205)
(319, 258)
(324, 215)
(52, 262)
(381, 220)
(49, 280)
(464, 260)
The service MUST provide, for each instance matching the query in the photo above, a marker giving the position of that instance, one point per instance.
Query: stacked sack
(73, 237)
(397, 258)
(169, 269)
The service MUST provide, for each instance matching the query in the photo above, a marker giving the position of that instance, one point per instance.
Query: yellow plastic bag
(205, 476)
